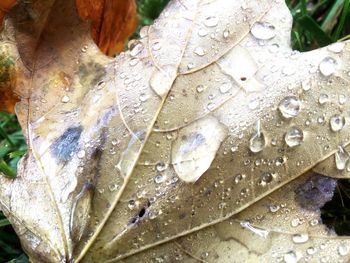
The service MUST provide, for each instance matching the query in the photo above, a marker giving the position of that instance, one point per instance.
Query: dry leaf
(208, 113)
(113, 22)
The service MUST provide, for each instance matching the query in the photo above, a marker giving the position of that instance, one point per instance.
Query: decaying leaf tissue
(209, 140)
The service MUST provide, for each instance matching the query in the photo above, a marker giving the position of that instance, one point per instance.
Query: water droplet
(343, 249)
(144, 97)
(224, 88)
(195, 148)
(112, 187)
(131, 204)
(199, 51)
(156, 46)
(274, 208)
(160, 167)
(65, 99)
(290, 257)
(226, 33)
(336, 47)
(337, 123)
(311, 250)
(258, 231)
(134, 62)
(211, 106)
(294, 137)
(239, 177)
(200, 88)
(257, 141)
(136, 49)
(323, 99)
(300, 238)
(81, 154)
(342, 99)
(202, 32)
(266, 178)
(263, 30)
(328, 66)
(159, 179)
(341, 158)
(289, 107)
(211, 21)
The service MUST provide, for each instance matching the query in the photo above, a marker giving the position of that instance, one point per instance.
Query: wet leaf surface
(183, 147)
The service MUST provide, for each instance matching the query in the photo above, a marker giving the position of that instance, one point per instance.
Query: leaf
(5, 6)
(205, 115)
(113, 22)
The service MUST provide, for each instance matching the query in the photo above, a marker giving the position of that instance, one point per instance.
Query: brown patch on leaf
(113, 22)
(7, 78)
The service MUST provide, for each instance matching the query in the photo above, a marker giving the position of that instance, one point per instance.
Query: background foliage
(316, 23)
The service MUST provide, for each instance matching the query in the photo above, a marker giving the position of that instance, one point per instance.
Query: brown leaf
(5, 6)
(113, 22)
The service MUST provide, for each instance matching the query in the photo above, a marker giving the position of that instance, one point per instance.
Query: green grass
(316, 24)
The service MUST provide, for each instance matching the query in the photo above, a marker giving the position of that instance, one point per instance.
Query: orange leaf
(113, 22)
(5, 6)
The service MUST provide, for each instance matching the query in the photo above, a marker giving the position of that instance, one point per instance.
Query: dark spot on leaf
(243, 78)
(67, 144)
(141, 215)
(315, 192)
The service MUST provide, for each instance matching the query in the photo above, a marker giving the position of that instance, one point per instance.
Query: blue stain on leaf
(315, 192)
(67, 144)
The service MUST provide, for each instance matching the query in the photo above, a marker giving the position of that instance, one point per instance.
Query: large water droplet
(294, 137)
(290, 257)
(263, 30)
(337, 122)
(257, 141)
(289, 107)
(343, 249)
(341, 158)
(195, 148)
(328, 66)
(224, 88)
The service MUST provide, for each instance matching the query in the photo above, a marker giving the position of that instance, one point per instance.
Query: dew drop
(300, 238)
(200, 88)
(257, 141)
(294, 137)
(328, 66)
(202, 32)
(341, 158)
(263, 30)
(144, 97)
(337, 123)
(323, 99)
(156, 46)
(211, 21)
(160, 167)
(226, 33)
(65, 99)
(136, 50)
(159, 179)
(343, 249)
(258, 231)
(211, 106)
(336, 47)
(199, 51)
(289, 107)
(290, 257)
(224, 88)
(81, 154)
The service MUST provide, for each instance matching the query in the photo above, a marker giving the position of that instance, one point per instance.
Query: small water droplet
(156, 46)
(81, 154)
(159, 179)
(131, 204)
(294, 137)
(65, 99)
(202, 32)
(257, 141)
(300, 238)
(328, 66)
(337, 123)
(226, 33)
(211, 21)
(311, 250)
(263, 30)
(289, 107)
(144, 97)
(274, 208)
(200, 88)
(199, 51)
(211, 106)
(323, 98)
(136, 50)
(290, 257)
(160, 167)
(341, 158)
(342, 99)
(258, 231)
